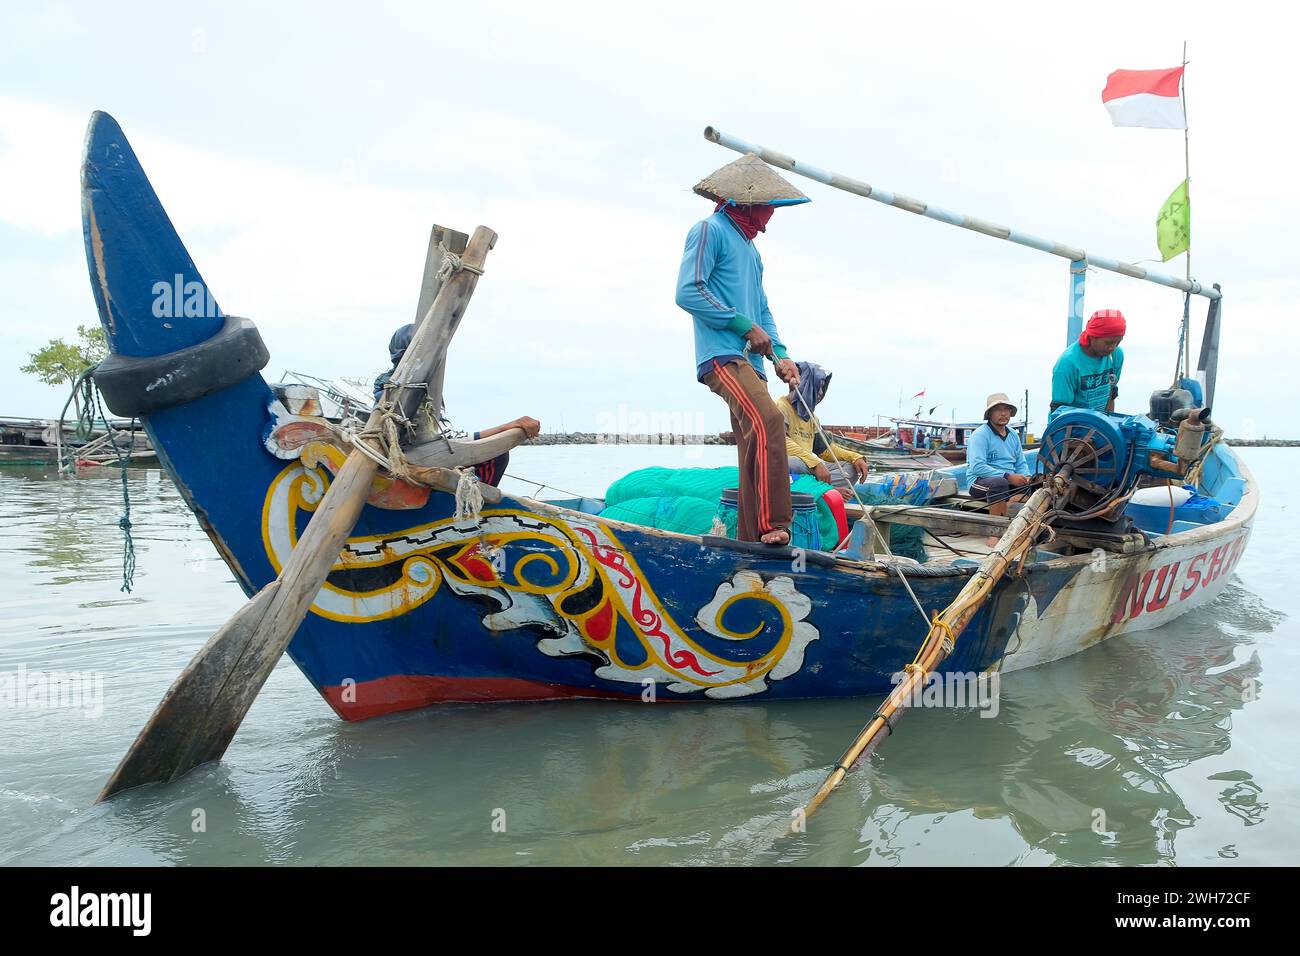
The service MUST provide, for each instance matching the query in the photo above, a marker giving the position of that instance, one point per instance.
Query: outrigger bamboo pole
(944, 632)
(922, 208)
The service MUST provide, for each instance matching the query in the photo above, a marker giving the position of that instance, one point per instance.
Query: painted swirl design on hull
(573, 581)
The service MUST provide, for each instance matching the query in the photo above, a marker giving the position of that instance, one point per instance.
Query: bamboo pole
(922, 208)
(942, 637)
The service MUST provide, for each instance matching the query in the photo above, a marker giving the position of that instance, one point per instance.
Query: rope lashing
(1194, 473)
(949, 640)
(381, 441)
(469, 498)
(388, 432)
(452, 263)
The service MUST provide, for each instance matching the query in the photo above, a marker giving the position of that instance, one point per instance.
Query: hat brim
(749, 181)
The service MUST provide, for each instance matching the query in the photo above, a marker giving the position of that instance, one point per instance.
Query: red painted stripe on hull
(388, 695)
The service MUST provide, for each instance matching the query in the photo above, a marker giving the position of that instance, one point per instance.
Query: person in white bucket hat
(995, 462)
(720, 283)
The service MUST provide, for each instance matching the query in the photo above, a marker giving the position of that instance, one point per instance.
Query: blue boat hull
(534, 602)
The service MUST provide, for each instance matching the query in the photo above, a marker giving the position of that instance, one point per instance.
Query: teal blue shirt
(1081, 381)
(720, 284)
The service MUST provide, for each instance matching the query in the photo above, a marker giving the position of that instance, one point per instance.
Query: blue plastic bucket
(804, 530)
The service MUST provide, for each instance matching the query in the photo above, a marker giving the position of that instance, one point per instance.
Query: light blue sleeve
(977, 457)
(1022, 464)
(693, 292)
(1118, 356)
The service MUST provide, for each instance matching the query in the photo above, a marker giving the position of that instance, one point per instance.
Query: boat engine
(1103, 454)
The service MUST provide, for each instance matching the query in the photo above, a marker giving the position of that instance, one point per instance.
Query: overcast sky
(304, 151)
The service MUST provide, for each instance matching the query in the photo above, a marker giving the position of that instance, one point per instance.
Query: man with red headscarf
(720, 283)
(1087, 373)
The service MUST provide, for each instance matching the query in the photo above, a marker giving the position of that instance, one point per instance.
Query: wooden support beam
(460, 453)
(429, 286)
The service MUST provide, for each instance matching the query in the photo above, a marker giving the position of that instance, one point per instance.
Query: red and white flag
(919, 394)
(1145, 98)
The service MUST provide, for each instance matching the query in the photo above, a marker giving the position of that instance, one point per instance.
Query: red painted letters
(1138, 595)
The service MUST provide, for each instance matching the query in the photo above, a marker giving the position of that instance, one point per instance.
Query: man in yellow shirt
(808, 451)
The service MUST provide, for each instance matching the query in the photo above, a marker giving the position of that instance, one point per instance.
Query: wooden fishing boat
(526, 599)
(884, 454)
(32, 441)
(918, 442)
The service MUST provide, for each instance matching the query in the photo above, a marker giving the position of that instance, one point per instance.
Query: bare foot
(992, 541)
(779, 537)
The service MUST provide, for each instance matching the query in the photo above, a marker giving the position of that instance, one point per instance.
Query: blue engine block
(1105, 449)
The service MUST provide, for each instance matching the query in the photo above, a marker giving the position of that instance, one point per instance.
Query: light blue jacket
(721, 285)
(990, 456)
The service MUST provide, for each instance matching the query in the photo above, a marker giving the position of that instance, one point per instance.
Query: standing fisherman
(721, 285)
(1087, 373)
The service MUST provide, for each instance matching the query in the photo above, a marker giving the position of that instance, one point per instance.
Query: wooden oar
(942, 636)
(201, 711)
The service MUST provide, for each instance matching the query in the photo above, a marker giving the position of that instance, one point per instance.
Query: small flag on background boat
(1146, 98)
(919, 394)
(1174, 223)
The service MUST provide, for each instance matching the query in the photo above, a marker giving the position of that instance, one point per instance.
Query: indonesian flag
(1145, 98)
(919, 394)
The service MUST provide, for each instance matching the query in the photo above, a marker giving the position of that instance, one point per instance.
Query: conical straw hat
(749, 182)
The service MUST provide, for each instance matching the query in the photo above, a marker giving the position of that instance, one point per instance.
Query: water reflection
(69, 526)
(1082, 746)
(1086, 745)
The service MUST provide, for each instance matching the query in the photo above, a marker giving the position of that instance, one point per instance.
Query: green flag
(1174, 224)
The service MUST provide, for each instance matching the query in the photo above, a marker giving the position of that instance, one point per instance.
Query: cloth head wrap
(1104, 324)
(813, 382)
(400, 342)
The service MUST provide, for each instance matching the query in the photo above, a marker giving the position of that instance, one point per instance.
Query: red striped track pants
(760, 442)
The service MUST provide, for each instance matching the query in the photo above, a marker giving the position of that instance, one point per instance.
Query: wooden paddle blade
(205, 706)
(179, 735)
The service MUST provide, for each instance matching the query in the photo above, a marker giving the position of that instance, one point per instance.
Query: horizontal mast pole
(920, 208)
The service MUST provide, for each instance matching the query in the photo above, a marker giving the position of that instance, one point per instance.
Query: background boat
(917, 442)
(34, 441)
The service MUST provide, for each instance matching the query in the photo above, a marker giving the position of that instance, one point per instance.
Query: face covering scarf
(751, 220)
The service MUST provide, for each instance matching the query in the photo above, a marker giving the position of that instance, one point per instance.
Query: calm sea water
(1149, 730)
